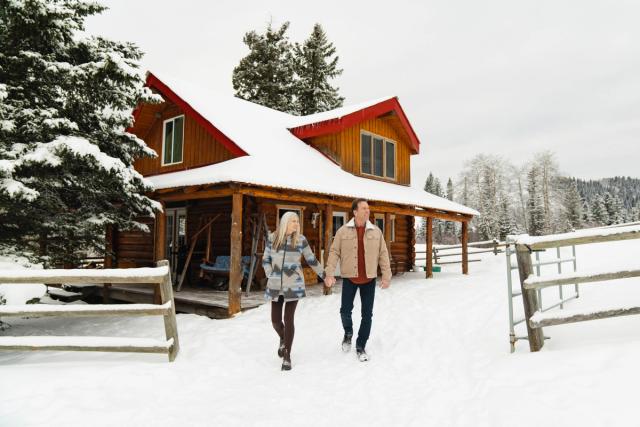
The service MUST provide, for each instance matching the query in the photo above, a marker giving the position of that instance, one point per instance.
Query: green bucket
(436, 268)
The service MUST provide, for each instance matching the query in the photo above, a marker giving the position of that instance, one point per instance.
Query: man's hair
(354, 204)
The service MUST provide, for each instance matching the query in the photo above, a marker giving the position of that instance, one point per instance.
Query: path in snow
(439, 356)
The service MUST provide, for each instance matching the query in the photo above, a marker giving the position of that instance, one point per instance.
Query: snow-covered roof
(277, 158)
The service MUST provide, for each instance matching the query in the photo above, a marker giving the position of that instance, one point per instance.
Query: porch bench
(222, 266)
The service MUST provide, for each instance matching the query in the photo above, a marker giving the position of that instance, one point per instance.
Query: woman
(285, 285)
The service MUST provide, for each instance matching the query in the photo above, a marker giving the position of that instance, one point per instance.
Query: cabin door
(176, 240)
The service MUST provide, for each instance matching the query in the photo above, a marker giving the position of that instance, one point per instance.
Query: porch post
(429, 233)
(387, 235)
(328, 231)
(161, 235)
(465, 249)
(235, 270)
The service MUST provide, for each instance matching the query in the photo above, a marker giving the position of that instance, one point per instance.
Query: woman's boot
(281, 348)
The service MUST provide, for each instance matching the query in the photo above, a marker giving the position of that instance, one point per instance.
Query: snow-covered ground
(439, 356)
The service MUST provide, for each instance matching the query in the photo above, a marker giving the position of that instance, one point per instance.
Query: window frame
(384, 156)
(298, 208)
(164, 133)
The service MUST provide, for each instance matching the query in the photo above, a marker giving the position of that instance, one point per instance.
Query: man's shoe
(362, 355)
(346, 343)
(286, 361)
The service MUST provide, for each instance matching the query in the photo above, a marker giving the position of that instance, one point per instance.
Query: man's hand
(385, 284)
(329, 281)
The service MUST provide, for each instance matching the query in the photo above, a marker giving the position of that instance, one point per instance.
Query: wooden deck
(207, 302)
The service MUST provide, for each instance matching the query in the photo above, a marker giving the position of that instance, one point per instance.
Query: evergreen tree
(505, 221)
(535, 204)
(573, 205)
(429, 185)
(437, 188)
(66, 161)
(315, 63)
(587, 217)
(599, 211)
(450, 189)
(266, 75)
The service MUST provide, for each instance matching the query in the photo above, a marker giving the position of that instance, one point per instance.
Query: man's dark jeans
(367, 294)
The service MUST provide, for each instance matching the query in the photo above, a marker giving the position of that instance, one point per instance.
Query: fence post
(170, 324)
(529, 297)
(430, 249)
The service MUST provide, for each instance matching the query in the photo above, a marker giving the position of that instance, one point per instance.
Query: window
(378, 156)
(282, 209)
(172, 141)
(379, 221)
(365, 148)
(339, 219)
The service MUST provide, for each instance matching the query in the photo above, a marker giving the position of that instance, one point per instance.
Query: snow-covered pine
(266, 75)
(535, 204)
(573, 205)
(66, 160)
(599, 211)
(315, 63)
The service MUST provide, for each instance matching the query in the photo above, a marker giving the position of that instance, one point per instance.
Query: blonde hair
(279, 235)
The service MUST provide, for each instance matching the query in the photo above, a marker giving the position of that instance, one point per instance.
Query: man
(360, 247)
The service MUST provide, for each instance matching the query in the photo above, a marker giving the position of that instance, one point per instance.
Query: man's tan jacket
(345, 249)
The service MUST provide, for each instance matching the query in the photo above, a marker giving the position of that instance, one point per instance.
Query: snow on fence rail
(484, 246)
(159, 275)
(530, 285)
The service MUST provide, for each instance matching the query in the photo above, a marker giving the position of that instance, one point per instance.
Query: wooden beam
(160, 234)
(376, 207)
(577, 278)
(539, 321)
(529, 298)
(429, 234)
(465, 248)
(328, 234)
(203, 194)
(235, 266)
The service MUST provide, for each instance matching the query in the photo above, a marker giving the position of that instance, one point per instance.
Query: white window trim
(340, 214)
(384, 156)
(384, 224)
(164, 123)
(291, 207)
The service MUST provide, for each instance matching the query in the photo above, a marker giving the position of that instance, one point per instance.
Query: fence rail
(530, 285)
(158, 276)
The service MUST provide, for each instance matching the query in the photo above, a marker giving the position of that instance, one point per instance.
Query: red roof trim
(154, 82)
(351, 119)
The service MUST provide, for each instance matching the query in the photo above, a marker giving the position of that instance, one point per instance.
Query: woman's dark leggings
(285, 331)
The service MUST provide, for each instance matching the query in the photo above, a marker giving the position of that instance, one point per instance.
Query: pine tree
(266, 75)
(429, 185)
(315, 63)
(450, 189)
(437, 188)
(66, 161)
(599, 211)
(587, 217)
(535, 204)
(505, 221)
(573, 205)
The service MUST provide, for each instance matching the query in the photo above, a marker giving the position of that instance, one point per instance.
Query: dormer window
(377, 156)
(172, 141)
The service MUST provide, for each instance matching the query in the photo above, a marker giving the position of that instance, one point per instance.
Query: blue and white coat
(283, 268)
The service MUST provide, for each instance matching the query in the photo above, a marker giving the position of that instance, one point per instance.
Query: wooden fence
(444, 251)
(159, 276)
(530, 284)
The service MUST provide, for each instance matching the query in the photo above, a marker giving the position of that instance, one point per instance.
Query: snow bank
(19, 294)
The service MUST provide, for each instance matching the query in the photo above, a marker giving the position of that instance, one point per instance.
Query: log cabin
(227, 169)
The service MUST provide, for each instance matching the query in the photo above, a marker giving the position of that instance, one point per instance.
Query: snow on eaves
(276, 158)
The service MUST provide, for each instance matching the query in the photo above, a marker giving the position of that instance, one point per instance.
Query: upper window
(377, 156)
(172, 141)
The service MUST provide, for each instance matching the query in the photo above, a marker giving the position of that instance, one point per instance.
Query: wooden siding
(135, 248)
(199, 147)
(345, 145)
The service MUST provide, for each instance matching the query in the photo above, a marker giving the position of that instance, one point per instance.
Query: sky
(502, 77)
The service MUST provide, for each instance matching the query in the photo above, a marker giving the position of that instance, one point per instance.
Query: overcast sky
(495, 76)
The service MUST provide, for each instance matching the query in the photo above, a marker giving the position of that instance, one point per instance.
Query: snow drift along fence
(158, 275)
(530, 284)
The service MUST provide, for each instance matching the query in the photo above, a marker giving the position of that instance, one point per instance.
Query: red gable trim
(154, 82)
(352, 119)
